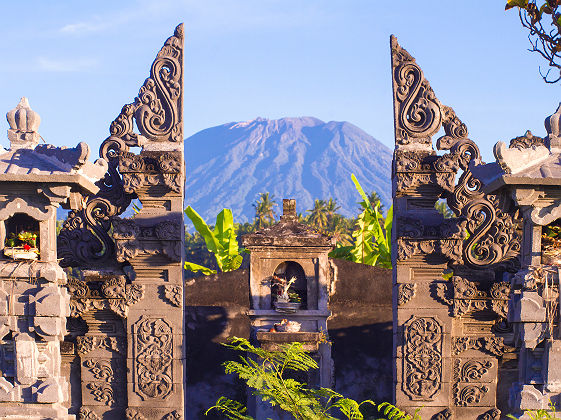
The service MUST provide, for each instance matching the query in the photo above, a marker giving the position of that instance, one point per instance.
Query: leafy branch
(267, 373)
(221, 241)
(543, 20)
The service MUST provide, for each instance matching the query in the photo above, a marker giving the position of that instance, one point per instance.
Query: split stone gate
(476, 319)
(107, 344)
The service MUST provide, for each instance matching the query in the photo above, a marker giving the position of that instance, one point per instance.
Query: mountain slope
(302, 158)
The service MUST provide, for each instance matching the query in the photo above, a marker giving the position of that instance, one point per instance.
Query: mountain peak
(304, 158)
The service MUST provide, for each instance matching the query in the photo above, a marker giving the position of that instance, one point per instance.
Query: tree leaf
(201, 226)
(196, 267)
(516, 3)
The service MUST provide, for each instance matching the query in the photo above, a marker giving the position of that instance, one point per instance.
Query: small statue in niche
(287, 300)
(284, 293)
(22, 236)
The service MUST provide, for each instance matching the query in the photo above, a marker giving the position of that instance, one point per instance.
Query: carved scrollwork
(133, 415)
(157, 108)
(418, 112)
(153, 346)
(87, 414)
(492, 414)
(422, 362)
(470, 394)
(173, 295)
(84, 240)
(493, 238)
(405, 292)
(174, 415)
(526, 141)
(100, 369)
(132, 239)
(492, 345)
(448, 248)
(445, 414)
(86, 344)
(115, 295)
(102, 392)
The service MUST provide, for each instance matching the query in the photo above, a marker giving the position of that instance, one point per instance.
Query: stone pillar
(445, 350)
(152, 242)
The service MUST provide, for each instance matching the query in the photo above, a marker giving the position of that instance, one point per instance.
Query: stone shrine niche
(284, 273)
(34, 304)
(290, 250)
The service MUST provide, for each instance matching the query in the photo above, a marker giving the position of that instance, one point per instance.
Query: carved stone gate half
(451, 338)
(125, 348)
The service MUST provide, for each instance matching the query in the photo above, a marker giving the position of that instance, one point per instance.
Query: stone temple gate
(92, 318)
(476, 319)
(110, 344)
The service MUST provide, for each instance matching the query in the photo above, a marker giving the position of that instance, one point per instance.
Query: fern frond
(233, 410)
(393, 413)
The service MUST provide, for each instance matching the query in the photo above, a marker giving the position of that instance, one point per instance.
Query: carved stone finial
(24, 123)
(288, 209)
(553, 128)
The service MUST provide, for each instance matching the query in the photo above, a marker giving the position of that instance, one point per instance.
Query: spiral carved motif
(493, 238)
(84, 240)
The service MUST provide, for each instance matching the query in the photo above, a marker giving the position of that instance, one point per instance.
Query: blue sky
(79, 62)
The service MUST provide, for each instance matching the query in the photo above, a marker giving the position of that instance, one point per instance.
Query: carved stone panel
(153, 354)
(422, 370)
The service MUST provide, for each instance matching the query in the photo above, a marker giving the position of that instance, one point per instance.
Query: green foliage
(542, 414)
(372, 234)
(222, 241)
(443, 209)
(267, 373)
(265, 210)
(543, 20)
(393, 413)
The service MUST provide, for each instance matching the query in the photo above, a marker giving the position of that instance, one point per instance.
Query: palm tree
(374, 198)
(318, 215)
(264, 210)
(331, 208)
(340, 228)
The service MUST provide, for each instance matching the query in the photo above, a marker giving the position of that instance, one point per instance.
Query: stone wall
(360, 330)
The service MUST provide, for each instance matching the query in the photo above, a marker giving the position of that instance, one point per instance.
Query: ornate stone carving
(174, 415)
(445, 414)
(151, 168)
(153, 347)
(417, 111)
(470, 394)
(84, 240)
(174, 295)
(132, 414)
(101, 392)
(87, 414)
(87, 343)
(422, 360)
(472, 370)
(115, 295)
(526, 141)
(133, 239)
(492, 345)
(493, 233)
(448, 248)
(100, 369)
(493, 414)
(157, 109)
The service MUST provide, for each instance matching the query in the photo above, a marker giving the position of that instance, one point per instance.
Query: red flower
(26, 247)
